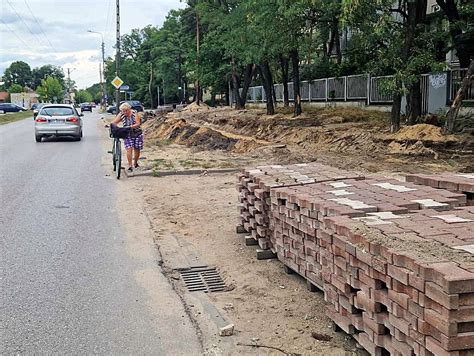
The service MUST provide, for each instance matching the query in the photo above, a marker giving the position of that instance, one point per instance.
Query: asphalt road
(68, 285)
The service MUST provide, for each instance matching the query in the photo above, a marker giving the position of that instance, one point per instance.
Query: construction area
(323, 234)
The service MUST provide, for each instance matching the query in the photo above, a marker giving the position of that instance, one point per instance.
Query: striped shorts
(134, 142)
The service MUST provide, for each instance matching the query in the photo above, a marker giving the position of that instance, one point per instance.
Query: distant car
(86, 107)
(9, 107)
(135, 104)
(58, 120)
(37, 108)
(112, 109)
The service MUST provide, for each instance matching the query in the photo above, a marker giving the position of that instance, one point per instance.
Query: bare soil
(268, 307)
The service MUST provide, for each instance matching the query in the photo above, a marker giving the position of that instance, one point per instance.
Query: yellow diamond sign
(117, 82)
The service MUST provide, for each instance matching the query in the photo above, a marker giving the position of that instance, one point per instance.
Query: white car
(58, 120)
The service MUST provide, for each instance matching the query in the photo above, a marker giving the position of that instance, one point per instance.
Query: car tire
(38, 138)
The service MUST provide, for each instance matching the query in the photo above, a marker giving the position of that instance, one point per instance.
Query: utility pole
(198, 88)
(103, 83)
(103, 76)
(117, 56)
(69, 70)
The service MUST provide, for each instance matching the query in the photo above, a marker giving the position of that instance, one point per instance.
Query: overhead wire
(22, 20)
(14, 33)
(39, 25)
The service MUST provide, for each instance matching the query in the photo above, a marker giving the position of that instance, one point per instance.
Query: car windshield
(57, 111)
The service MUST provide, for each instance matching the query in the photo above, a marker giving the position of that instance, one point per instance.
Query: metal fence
(352, 87)
(437, 90)
(361, 87)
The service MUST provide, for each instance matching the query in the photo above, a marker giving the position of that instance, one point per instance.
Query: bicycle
(118, 133)
(116, 153)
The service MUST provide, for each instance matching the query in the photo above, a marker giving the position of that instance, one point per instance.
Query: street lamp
(104, 83)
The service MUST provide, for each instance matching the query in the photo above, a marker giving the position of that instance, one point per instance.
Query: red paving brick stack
(404, 293)
(456, 182)
(254, 192)
(392, 259)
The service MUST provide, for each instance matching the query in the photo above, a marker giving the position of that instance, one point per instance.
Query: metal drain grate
(202, 279)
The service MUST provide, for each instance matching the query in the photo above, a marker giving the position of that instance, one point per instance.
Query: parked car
(86, 107)
(9, 107)
(58, 120)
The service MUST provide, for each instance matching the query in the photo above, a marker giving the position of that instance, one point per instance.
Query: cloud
(41, 32)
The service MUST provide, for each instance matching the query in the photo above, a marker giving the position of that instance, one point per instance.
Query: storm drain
(202, 279)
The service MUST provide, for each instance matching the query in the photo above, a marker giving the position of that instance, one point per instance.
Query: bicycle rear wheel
(118, 162)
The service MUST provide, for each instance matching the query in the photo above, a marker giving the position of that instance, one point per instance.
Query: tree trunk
(296, 82)
(284, 74)
(236, 86)
(213, 100)
(415, 89)
(415, 103)
(227, 95)
(395, 114)
(267, 85)
(337, 39)
(456, 105)
(405, 55)
(248, 77)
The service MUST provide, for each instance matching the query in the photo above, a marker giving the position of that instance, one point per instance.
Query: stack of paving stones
(456, 182)
(403, 284)
(394, 261)
(254, 187)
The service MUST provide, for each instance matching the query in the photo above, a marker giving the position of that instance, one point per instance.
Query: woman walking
(133, 145)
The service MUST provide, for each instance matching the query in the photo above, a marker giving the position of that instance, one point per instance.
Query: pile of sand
(421, 132)
(196, 108)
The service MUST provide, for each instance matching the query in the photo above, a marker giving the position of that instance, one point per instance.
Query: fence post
(345, 88)
(368, 89)
(326, 83)
(309, 91)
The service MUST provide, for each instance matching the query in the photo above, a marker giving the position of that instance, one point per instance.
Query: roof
(4, 95)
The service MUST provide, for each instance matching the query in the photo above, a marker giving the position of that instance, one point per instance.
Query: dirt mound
(181, 132)
(411, 149)
(195, 107)
(209, 139)
(422, 132)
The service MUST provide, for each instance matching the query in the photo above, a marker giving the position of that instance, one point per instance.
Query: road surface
(73, 280)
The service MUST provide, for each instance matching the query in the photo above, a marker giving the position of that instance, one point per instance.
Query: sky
(41, 32)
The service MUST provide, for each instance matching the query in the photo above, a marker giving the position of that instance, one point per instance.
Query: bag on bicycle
(136, 132)
(120, 132)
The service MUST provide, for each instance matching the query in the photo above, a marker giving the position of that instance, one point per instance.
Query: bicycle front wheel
(113, 154)
(118, 162)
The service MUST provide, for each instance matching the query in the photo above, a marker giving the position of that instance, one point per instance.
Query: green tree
(15, 88)
(18, 72)
(50, 89)
(400, 42)
(45, 71)
(83, 96)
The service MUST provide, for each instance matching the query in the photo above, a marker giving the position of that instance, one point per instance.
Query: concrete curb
(189, 172)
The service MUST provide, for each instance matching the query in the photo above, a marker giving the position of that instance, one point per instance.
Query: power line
(14, 33)
(32, 14)
(108, 15)
(22, 20)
